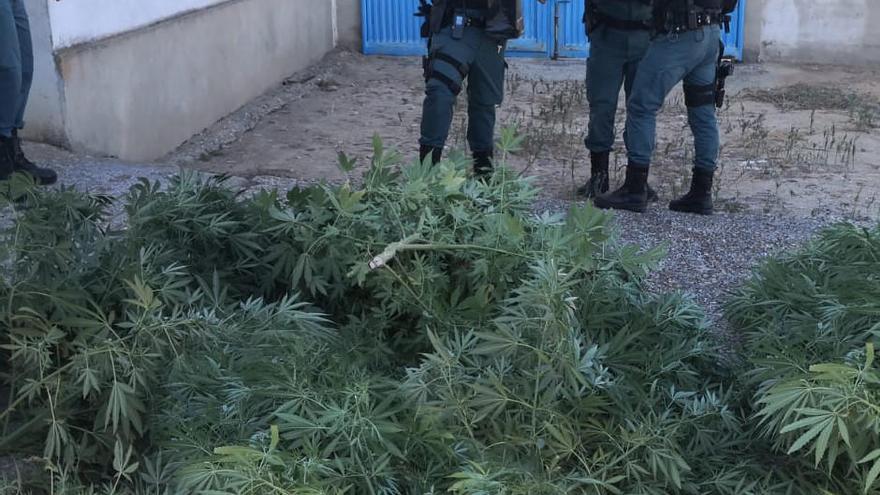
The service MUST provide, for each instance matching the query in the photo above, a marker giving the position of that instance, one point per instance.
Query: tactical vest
(629, 10)
(627, 15)
(706, 6)
(502, 19)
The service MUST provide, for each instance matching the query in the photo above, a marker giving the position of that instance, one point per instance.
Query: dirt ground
(803, 140)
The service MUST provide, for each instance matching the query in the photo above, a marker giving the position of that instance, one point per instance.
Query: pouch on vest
(504, 19)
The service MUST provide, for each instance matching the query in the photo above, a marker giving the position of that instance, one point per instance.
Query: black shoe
(652, 194)
(483, 166)
(632, 196)
(436, 153)
(7, 158)
(42, 176)
(598, 183)
(699, 199)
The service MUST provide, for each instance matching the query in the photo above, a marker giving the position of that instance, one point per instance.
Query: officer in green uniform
(467, 39)
(16, 74)
(685, 48)
(619, 32)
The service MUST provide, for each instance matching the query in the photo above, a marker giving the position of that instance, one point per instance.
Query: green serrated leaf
(873, 474)
(809, 435)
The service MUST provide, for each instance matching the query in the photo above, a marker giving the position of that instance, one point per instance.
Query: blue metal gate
(389, 28)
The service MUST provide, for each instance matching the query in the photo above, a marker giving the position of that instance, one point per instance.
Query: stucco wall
(139, 95)
(84, 21)
(136, 78)
(813, 31)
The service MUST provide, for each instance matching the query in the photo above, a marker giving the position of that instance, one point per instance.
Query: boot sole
(694, 211)
(598, 203)
(588, 195)
(581, 192)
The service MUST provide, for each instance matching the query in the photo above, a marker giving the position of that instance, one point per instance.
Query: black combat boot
(7, 158)
(598, 182)
(632, 196)
(436, 153)
(483, 167)
(41, 175)
(699, 199)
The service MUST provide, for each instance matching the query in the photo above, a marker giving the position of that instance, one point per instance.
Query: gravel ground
(707, 256)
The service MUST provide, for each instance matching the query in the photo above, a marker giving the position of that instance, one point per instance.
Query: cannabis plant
(417, 331)
(812, 323)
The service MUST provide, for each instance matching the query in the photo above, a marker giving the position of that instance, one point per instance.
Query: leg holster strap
(430, 73)
(452, 85)
(698, 96)
(460, 67)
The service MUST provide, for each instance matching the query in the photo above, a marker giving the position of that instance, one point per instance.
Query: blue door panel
(735, 39)
(573, 41)
(534, 39)
(390, 28)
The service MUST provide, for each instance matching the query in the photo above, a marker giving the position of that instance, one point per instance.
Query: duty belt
(470, 20)
(694, 21)
(477, 22)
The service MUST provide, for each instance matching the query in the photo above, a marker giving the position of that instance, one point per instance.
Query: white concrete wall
(136, 78)
(140, 95)
(44, 120)
(814, 31)
(84, 21)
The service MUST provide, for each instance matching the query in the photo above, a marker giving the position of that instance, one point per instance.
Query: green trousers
(614, 57)
(475, 58)
(16, 65)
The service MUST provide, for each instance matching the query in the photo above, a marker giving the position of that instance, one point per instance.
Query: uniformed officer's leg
(10, 85)
(606, 69)
(26, 56)
(701, 112)
(699, 88)
(23, 29)
(485, 93)
(664, 66)
(10, 69)
(638, 42)
(449, 63)
(605, 74)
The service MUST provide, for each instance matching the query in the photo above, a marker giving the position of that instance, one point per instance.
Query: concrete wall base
(139, 95)
(813, 31)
